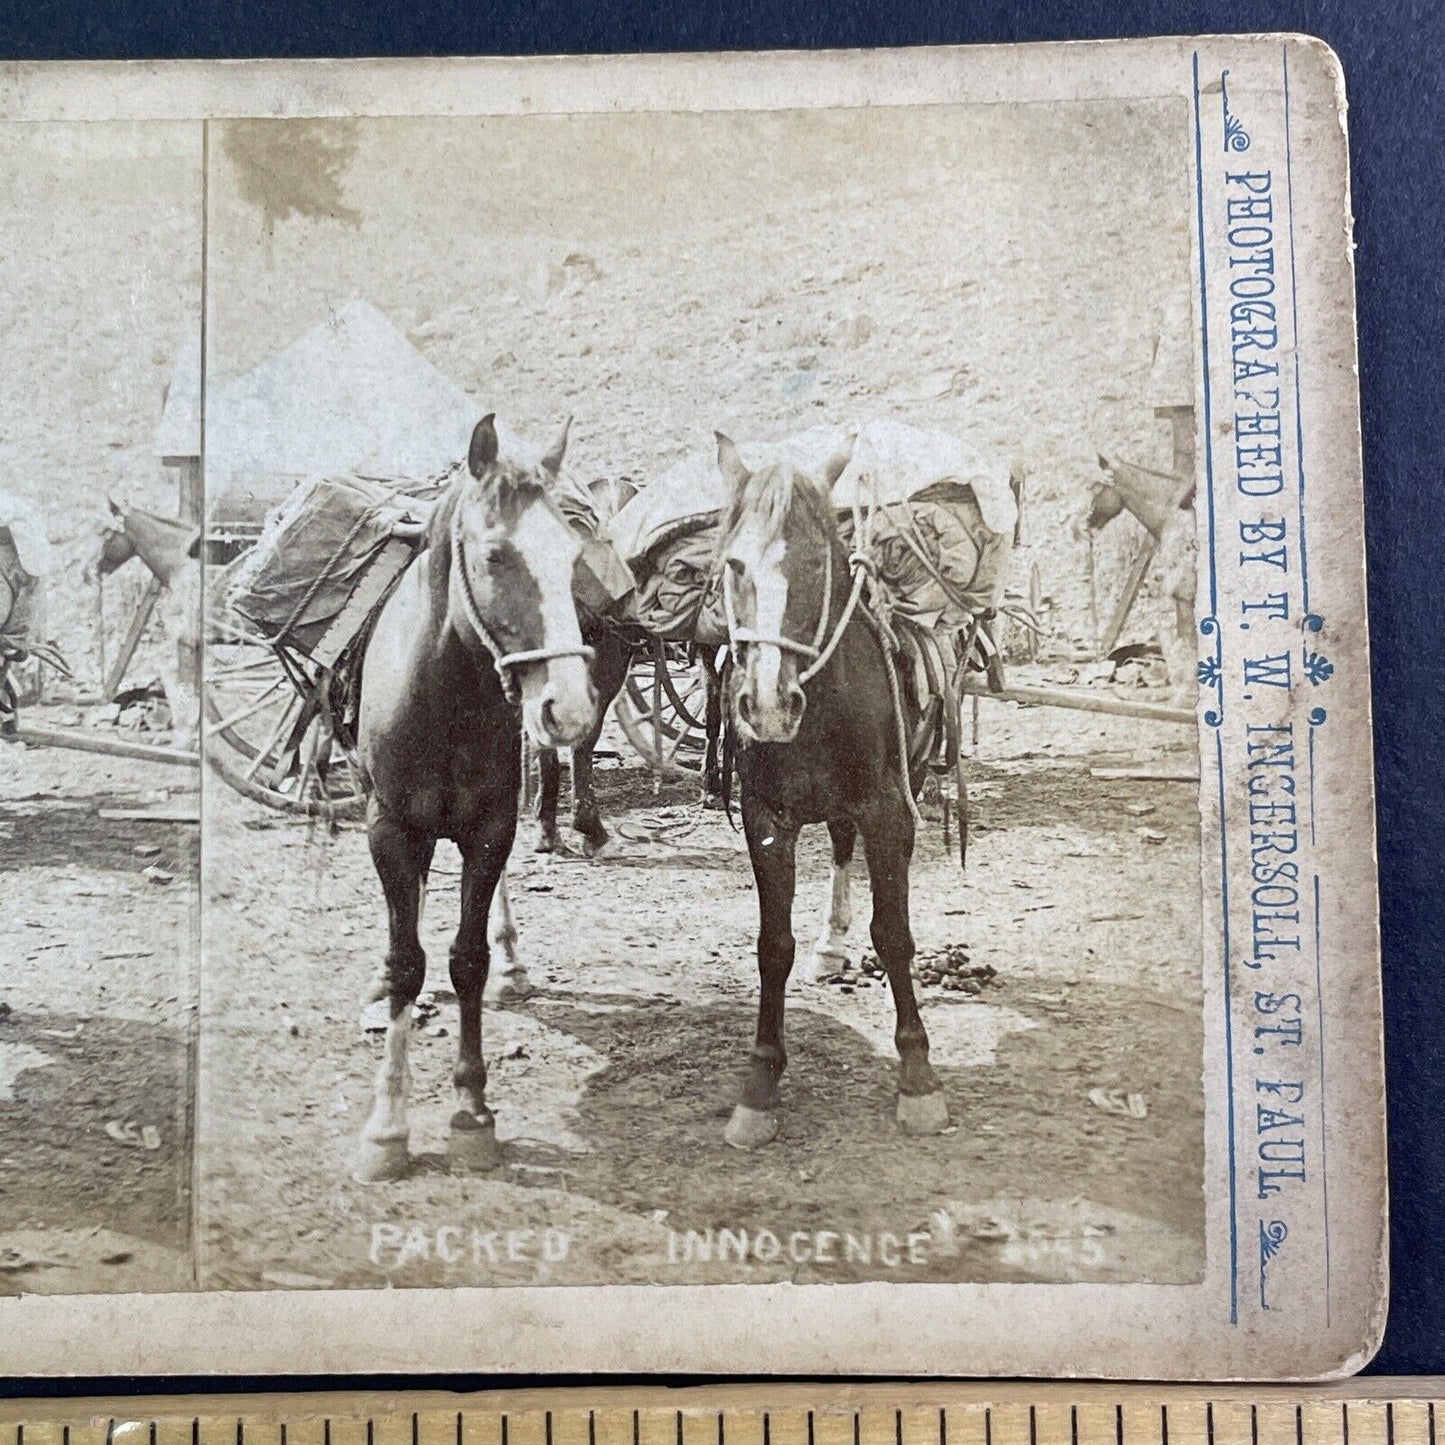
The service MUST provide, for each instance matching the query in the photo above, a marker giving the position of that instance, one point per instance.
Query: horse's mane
(770, 494)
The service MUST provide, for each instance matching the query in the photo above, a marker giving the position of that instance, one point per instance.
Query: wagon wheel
(267, 732)
(662, 709)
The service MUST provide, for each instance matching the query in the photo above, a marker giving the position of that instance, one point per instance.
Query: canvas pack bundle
(940, 517)
(332, 541)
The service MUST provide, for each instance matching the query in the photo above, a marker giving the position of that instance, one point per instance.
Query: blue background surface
(1392, 56)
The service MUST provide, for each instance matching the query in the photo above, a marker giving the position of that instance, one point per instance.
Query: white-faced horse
(479, 639)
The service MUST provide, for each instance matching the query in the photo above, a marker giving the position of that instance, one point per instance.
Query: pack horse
(479, 639)
(821, 724)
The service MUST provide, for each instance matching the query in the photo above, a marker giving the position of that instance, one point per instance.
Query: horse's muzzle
(771, 715)
(559, 707)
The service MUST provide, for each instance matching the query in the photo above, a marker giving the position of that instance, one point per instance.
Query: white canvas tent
(351, 396)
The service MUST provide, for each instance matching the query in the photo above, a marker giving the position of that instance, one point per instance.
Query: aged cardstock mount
(1255, 1244)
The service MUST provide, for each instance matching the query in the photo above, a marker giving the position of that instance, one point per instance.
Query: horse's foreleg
(400, 859)
(177, 670)
(712, 778)
(888, 843)
(473, 1136)
(1177, 643)
(832, 943)
(586, 819)
(772, 847)
(509, 983)
(609, 672)
(549, 768)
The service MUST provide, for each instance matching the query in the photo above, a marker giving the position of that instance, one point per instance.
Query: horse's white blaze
(762, 561)
(550, 549)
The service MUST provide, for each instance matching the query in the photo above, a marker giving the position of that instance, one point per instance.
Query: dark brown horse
(616, 653)
(616, 649)
(613, 656)
(479, 639)
(816, 706)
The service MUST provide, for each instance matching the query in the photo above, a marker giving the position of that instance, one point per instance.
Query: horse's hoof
(825, 957)
(380, 1160)
(923, 1113)
(751, 1128)
(472, 1143)
(546, 843)
(510, 988)
(713, 802)
(594, 843)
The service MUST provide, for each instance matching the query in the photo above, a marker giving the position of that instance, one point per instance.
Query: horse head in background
(170, 549)
(165, 544)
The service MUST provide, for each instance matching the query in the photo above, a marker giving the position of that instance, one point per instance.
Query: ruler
(1371, 1412)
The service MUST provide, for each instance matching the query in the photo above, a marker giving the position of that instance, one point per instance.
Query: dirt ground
(97, 1002)
(612, 1084)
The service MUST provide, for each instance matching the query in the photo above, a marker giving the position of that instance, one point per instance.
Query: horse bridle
(821, 649)
(505, 662)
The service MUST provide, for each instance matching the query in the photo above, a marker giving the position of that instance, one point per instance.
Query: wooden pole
(100, 624)
(1081, 701)
(1137, 571)
(43, 736)
(133, 635)
(1093, 589)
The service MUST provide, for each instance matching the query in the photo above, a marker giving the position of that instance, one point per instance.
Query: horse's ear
(116, 510)
(552, 457)
(483, 451)
(730, 462)
(837, 464)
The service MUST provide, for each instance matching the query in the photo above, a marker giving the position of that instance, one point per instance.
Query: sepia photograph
(597, 507)
(100, 522)
(710, 702)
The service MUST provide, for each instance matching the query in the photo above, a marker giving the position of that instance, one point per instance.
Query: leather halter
(505, 662)
(821, 649)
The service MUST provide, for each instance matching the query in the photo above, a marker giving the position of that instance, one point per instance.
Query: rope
(886, 644)
(503, 661)
(861, 568)
(324, 574)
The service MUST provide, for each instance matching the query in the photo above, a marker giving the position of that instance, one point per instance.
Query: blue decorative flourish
(1317, 716)
(1236, 138)
(1313, 621)
(1211, 670)
(1318, 667)
(1271, 1237)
